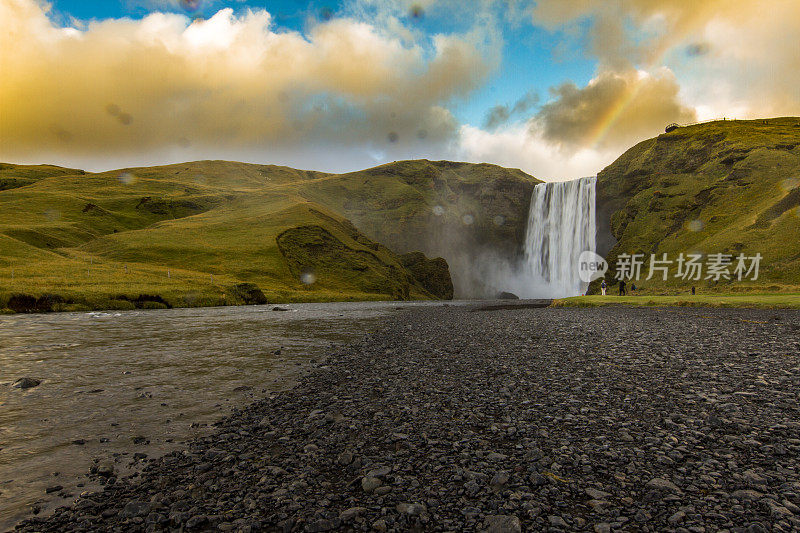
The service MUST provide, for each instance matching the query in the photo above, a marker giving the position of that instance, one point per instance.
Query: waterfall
(561, 225)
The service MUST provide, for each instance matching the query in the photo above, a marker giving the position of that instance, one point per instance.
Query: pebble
(444, 419)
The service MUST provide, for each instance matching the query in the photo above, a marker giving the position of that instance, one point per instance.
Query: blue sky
(558, 88)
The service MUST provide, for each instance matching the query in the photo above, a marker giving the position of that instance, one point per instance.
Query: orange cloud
(129, 86)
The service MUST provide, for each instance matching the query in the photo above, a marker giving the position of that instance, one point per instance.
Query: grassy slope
(167, 230)
(752, 300)
(395, 203)
(722, 187)
(454, 210)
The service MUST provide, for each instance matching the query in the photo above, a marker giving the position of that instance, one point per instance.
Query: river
(119, 383)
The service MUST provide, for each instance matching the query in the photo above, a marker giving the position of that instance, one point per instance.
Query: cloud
(750, 70)
(739, 62)
(123, 88)
(501, 114)
(519, 146)
(614, 110)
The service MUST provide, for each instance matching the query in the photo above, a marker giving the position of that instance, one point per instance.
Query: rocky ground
(501, 420)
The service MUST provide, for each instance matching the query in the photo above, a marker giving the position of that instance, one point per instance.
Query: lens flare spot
(438, 210)
(126, 178)
(468, 220)
(308, 278)
(190, 5)
(695, 225)
(499, 220)
(790, 184)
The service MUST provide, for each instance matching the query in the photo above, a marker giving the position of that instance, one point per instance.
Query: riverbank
(745, 300)
(117, 387)
(507, 419)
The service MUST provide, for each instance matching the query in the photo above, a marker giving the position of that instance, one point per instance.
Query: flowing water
(561, 225)
(110, 377)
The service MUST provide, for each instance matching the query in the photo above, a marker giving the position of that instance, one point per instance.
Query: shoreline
(721, 300)
(770, 300)
(446, 419)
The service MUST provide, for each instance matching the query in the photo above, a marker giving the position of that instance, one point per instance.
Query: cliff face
(433, 274)
(461, 212)
(725, 187)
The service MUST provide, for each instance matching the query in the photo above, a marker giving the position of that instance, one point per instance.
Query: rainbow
(624, 99)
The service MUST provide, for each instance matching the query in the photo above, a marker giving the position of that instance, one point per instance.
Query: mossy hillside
(434, 274)
(459, 211)
(723, 187)
(411, 204)
(186, 232)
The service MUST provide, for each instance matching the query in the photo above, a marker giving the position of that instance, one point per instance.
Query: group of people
(623, 287)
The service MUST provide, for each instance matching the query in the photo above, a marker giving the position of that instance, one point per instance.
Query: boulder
(507, 296)
(432, 274)
(26, 383)
(248, 294)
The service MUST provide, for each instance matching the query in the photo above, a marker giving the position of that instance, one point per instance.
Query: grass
(758, 301)
(189, 232)
(723, 187)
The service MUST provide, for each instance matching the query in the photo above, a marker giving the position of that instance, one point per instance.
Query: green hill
(724, 187)
(217, 232)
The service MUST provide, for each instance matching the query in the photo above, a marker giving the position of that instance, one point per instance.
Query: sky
(558, 88)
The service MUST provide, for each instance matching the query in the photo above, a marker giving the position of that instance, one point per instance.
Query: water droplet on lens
(695, 225)
(113, 110)
(438, 210)
(308, 278)
(393, 137)
(190, 5)
(416, 12)
(422, 134)
(499, 220)
(326, 13)
(790, 184)
(62, 134)
(467, 220)
(125, 118)
(126, 178)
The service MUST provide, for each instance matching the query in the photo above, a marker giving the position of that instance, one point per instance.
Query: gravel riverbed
(453, 419)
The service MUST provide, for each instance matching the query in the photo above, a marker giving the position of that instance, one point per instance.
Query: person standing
(622, 291)
(603, 287)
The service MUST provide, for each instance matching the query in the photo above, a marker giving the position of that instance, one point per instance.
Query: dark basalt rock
(248, 293)
(433, 274)
(507, 296)
(26, 383)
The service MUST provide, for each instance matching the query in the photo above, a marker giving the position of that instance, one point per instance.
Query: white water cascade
(561, 225)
